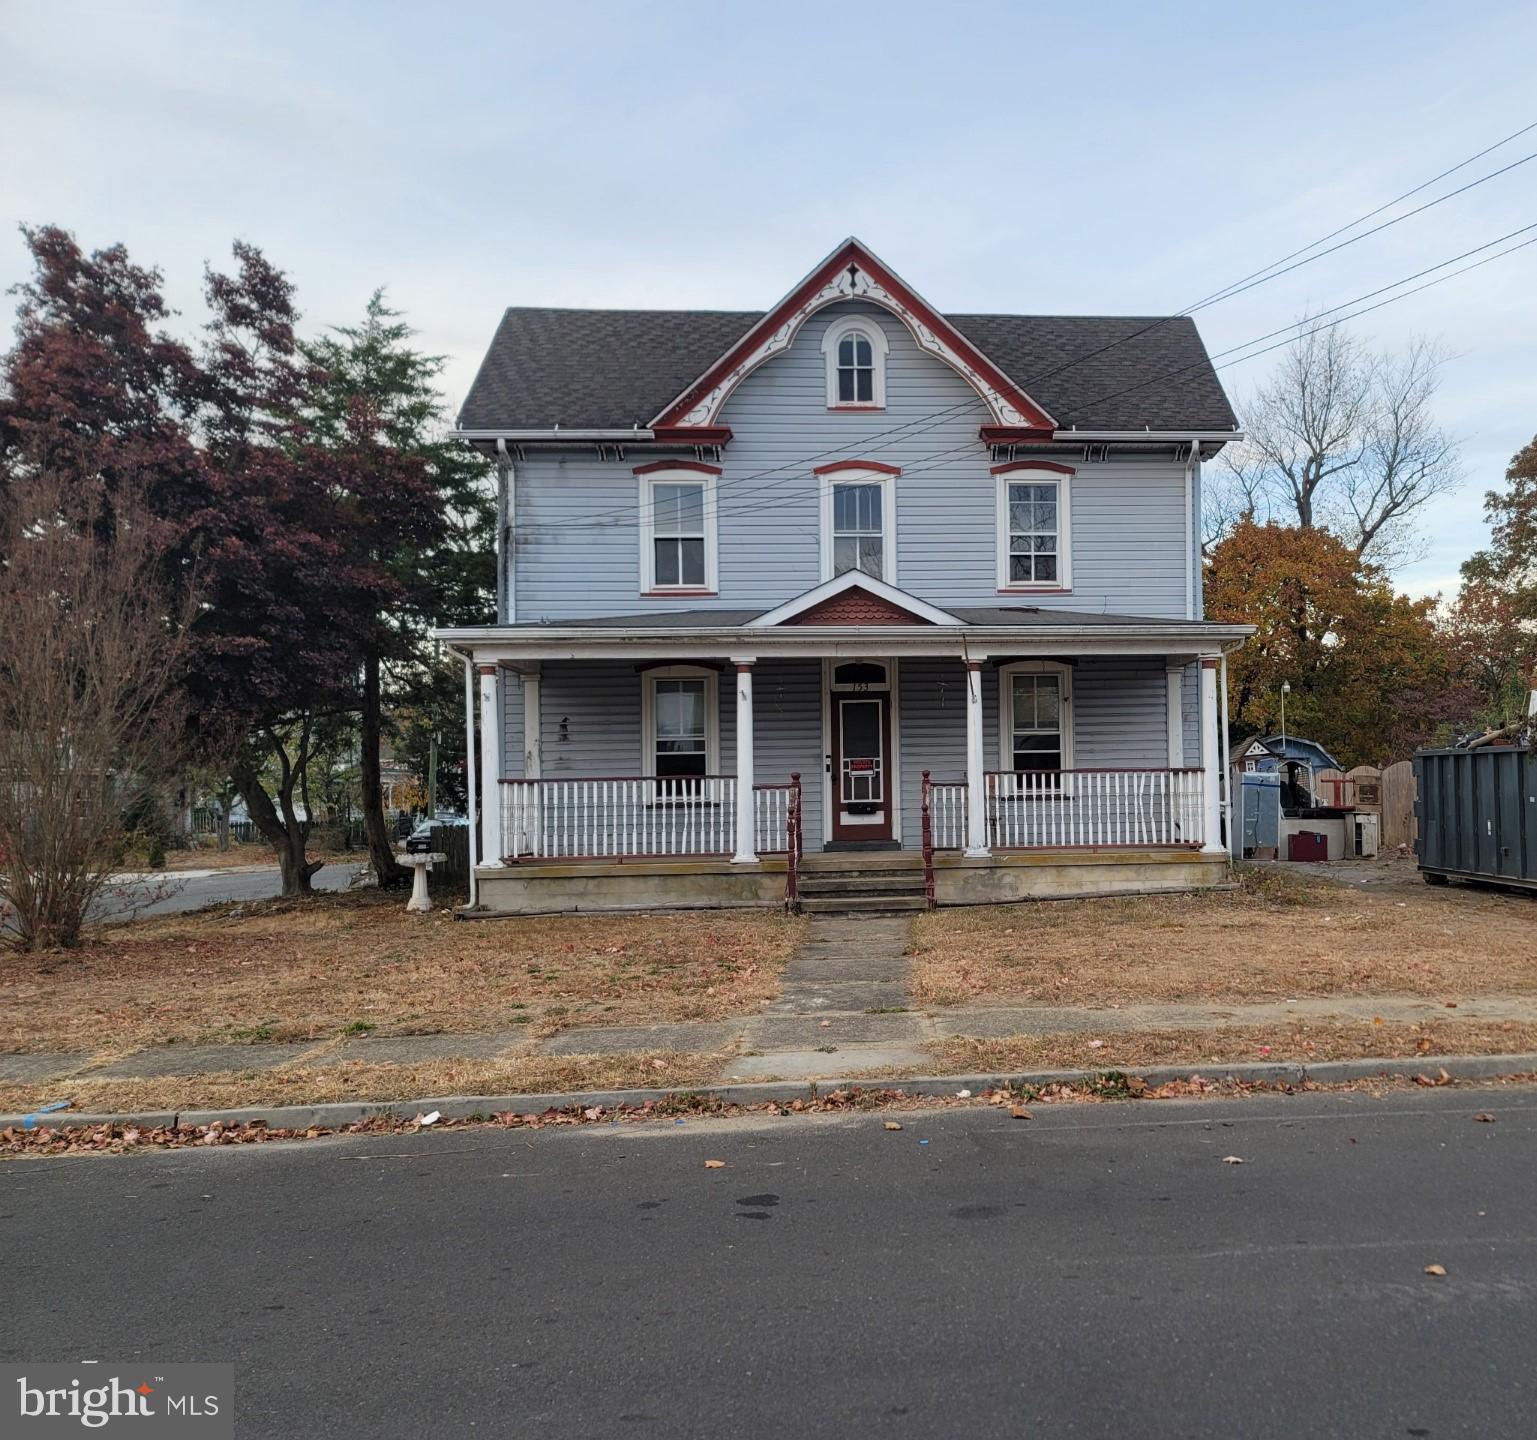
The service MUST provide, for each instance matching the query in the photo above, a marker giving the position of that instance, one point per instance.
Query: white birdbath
(420, 901)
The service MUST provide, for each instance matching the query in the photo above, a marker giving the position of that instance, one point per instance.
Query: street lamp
(1286, 689)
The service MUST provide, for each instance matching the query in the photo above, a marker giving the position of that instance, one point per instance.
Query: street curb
(784, 1092)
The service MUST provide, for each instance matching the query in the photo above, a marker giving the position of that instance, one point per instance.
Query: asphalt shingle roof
(614, 369)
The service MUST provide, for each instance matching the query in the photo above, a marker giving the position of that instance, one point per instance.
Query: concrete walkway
(844, 1008)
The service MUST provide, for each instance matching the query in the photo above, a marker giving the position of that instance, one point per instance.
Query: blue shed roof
(1296, 748)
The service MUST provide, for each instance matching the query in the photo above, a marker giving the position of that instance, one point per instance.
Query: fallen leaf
(714, 1164)
(1019, 1112)
(1376, 1019)
(1232, 1160)
(1485, 1116)
(893, 1125)
(1442, 1078)
(1422, 1045)
(1435, 1269)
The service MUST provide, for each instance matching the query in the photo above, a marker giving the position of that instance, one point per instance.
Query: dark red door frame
(840, 830)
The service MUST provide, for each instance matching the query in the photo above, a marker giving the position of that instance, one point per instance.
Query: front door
(861, 778)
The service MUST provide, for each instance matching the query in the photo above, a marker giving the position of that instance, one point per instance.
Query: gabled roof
(853, 272)
(622, 369)
(898, 602)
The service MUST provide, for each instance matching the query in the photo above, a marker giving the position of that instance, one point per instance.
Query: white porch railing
(1076, 809)
(617, 817)
(947, 809)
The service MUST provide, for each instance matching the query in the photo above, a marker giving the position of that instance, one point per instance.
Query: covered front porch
(629, 764)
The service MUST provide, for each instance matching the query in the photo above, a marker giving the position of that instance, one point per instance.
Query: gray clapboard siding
(578, 545)
(1119, 720)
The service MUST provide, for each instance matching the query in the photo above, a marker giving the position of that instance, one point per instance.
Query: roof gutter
(739, 636)
(558, 432)
(1166, 437)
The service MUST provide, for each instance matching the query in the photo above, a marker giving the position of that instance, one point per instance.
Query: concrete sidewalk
(844, 1009)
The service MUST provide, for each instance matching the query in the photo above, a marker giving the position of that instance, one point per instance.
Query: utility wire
(927, 462)
(922, 424)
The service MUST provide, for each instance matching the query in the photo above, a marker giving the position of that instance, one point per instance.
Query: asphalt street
(170, 892)
(1094, 1271)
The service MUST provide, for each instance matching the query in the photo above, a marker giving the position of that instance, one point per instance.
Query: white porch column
(976, 764)
(1211, 761)
(746, 851)
(469, 773)
(491, 765)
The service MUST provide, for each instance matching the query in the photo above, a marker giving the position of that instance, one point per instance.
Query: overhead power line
(919, 425)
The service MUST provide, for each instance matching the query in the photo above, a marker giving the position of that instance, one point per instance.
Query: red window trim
(1051, 465)
(693, 465)
(880, 467)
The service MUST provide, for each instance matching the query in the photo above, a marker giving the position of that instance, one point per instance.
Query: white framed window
(1034, 527)
(678, 529)
(854, 350)
(680, 722)
(859, 530)
(1035, 720)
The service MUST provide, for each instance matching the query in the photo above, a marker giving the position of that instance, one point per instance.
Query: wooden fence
(1388, 793)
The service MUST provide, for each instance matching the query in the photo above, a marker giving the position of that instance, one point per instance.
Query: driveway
(1097, 1271)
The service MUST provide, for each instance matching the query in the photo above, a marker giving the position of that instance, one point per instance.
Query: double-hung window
(1035, 721)
(681, 725)
(859, 532)
(858, 523)
(854, 351)
(1034, 551)
(677, 507)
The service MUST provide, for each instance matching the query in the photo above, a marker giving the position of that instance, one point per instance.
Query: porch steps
(836, 883)
(862, 904)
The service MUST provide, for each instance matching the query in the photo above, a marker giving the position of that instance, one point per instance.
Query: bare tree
(1344, 438)
(88, 673)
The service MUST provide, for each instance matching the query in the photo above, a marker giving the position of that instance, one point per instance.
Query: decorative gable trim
(908, 609)
(852, 272)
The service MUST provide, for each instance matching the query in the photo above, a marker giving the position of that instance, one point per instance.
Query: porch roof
(980, 632)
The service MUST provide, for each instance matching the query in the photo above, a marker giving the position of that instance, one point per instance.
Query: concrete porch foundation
(558, 887)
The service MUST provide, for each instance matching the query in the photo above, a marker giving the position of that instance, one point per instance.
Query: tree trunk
(381, 853)
(285, 835)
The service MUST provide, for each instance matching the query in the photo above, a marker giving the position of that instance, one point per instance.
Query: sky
(1022, 158)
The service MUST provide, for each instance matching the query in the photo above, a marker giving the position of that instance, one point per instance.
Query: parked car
(419, 841)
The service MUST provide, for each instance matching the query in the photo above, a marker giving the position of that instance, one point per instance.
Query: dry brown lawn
(1298, 1041)
(359, 964)
(361, 1081)
(1279, 935)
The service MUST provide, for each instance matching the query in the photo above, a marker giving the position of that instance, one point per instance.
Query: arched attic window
(855, 351)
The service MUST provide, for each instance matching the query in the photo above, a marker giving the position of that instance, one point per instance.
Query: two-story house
(849, 597)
